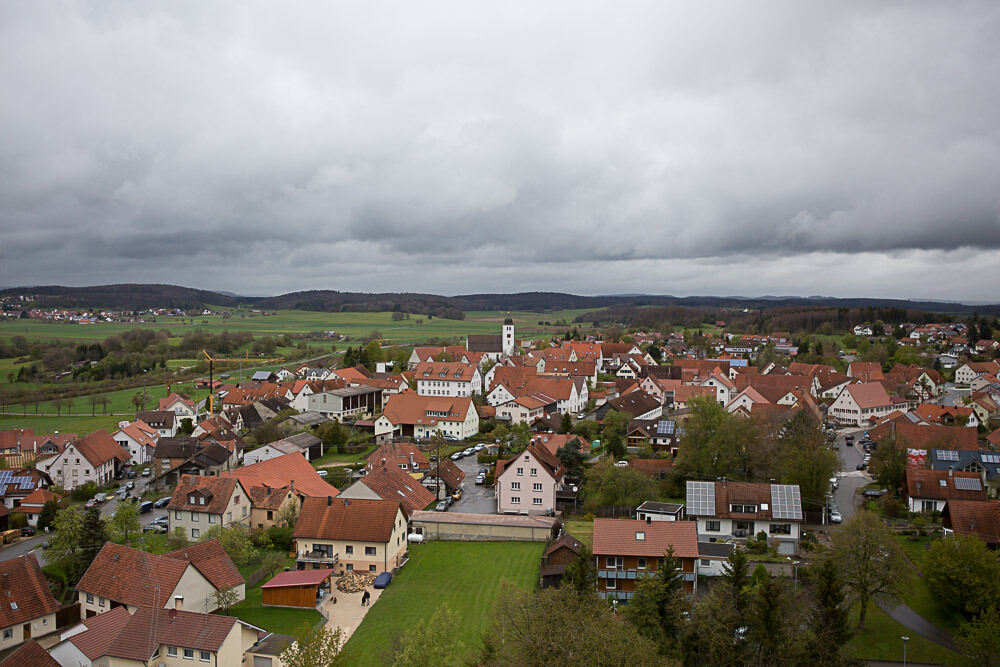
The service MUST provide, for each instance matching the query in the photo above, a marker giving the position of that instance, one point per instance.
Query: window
(534, 472)
(229, 517)
(195, 533)
(100, 602)
(156, 653)
(189, 654)
(236, 500)
(244, 510)
(211, 518)
(611, 584)
(191, 500)
(536, 487)
(705, 562)
(8, 633)
(349, 550)
(515, 500)
(515, 486)
(350, 567)
(743, 509)
(201, 501)
(520, 471)
(781, 529)
(371, 568)
(536, 501)
(713, 526)
(172, 651)
(205, 656)
(613, 562)
(640, 536)
(90, 598)
(641, 563)
(370, 551)
(194, 517)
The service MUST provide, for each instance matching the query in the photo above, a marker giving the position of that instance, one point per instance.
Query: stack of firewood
(355, 582)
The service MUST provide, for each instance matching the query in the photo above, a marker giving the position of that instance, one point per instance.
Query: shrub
(260, 539)
(84, 492)
(281, 537)
(588, 517)
(18, 520)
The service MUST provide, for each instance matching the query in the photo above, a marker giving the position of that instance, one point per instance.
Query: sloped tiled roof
(391, 483)
(620, 537)
(216, 490)
(343, 519)
(132, 577)
(101, 632)
(99, 448)
(281, 470)
(212, 561)
(397, 453)
(944, 484)
(149, 628)
(974, 517)
(30, 654)
(926, 436)
(23, 586)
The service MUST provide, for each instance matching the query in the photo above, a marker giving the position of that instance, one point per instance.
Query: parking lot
(476, 499)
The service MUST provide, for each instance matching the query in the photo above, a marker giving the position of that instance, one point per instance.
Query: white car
(835, 517)
(322, 473)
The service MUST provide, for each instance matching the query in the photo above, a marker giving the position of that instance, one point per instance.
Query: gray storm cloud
(781, 147)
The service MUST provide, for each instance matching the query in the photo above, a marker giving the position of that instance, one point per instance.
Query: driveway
(952, 395)
(476, 499)
(347, 613)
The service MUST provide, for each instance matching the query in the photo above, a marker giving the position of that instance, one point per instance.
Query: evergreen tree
(828, 616)
(566, 424)
(581, 575)
(657, 607)
(48, 514)
(93, 536)
(736, 572)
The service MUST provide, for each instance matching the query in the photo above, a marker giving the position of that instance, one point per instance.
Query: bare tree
(871, 561)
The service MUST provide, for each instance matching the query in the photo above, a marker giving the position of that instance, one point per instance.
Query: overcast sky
(835, 148)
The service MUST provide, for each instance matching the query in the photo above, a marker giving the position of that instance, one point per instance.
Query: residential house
(281, 471)
(29, 654)
(28, 609)
(139, 439)
(558, 554)
(164, 421)
(16, 485)
(183, 408)
(444, 378)
(908, 435)
(443, 478)
(626, 550)
(348, 403)
(712, 558)
(34, 502)
(860, 404)
(553, 442)
(525, 409)
(121, 576)
(638, 404)
(95, 458)
(529, 482)
(348, 535)
(304, 444)
(929, 490)
(969, 371)
(267, 503)
(865, 371)
(404, 455)
(412, 415)
(158, 637)
(200, 503)
(387, 482)
(973, 518)
(660, 434)
(178, 456)
(725, 510)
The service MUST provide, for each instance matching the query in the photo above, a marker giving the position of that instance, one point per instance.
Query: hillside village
(660, 475)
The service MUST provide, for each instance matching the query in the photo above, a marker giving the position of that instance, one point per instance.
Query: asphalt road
(476, 499)
(952, 395)
(851, 479)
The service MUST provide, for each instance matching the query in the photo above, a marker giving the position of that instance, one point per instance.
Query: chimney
(951, 471)
(649, 520)
(329, 501)
(179, 602)
(5, 582)
(291, 485)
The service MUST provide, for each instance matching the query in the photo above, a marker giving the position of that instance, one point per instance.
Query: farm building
(295, 588)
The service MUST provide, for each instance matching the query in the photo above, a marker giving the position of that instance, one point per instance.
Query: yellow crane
(211, 368)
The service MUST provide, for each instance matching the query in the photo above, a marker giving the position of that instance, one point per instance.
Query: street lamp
(614, 606)
(905, 639)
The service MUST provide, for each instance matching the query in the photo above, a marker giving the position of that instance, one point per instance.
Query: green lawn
(465, 575)
(880, 640)
(581, 530)
(275, 619)
(331, 456)
(80, 425)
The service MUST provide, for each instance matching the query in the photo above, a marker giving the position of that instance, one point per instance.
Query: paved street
(952, 395)
(850, 479)
(476, 499)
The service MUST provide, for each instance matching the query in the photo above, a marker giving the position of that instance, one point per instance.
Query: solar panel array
(701, 498)
(947, 455)
(968, 484)
(665, 427)
(991, 458)
(786, 501)
(23, 482)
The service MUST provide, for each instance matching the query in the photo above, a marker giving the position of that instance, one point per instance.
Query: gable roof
(101, 632)
(635, 403)
(24, 593)
(281, 470)
(391, 483)
(547, 460)
(449, 371)
(99, 448)
(411, 408)
(216, 492)
(973, 517)
(869, 395)
(149, 628)
(347, 519)
(567, 541)
(132, 577)
(397, 453)
(212, 561)
(627, 537)
(492, 343)
(944, 484)
(925, 436)
(30, 654)
(552, 442)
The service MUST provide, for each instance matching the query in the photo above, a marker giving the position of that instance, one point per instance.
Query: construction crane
(211, 384)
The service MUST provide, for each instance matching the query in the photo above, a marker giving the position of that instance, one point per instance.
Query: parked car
(480, 447)
(456, 456)
(441, 506)
(155, 528)
(456, 494)
(469, 451)
(162, 502)
(130, 485)
(834, 482)
(382, 580)
(146, 506)
(451, 438)
(835, 517)
(582, 415)
(100, 498)
(163, 518)
(90, 503)
(322, 473)
(27, 531)
(861, 466)
(484, 471)
(131, 474)
(848, 438)
(146, 472)
(873, 493)
(480, 479)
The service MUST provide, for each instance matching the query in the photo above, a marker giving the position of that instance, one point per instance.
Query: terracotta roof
(391, 483)
(410, 408)
(141, 432)
(149, 628)
(343, 519)
(101, 632)
(547, 460)
(299, 578)
(30, 654)
(941, 484)
(268, 497)
(621, 537)
(450, 473)
(397, 453)
(636, 403)
(554, 441)
(281, 470)
(37, 497)
(212, 561)
(686, 392)
(869, 395)
(216, 492)
(99, 448)
(973, 517)
(865, 370)
(23, 586)
(450, 371)
(567, 541)
(652, 467)
(926, 436)
(132, 577)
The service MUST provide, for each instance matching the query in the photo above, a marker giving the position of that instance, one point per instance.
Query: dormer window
(193, 500)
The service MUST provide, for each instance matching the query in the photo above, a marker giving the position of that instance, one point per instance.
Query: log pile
(355, 582)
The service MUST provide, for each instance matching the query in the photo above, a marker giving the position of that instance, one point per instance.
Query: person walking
(364, 598)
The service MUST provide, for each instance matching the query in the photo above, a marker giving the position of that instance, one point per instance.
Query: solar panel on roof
(991, 458)
(968, 484)
(665, 427)
(701, 498)
(786, 501)
(947, 455)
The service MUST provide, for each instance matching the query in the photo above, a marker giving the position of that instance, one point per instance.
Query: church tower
(508, 336)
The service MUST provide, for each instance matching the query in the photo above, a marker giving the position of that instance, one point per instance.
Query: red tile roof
(620, 537)
(132, 577)
(926, 436)
(99, 448)
(216, 492)
(30, 654)
(973, 517)
(344, 519)
(299, 578)
(396, 453)
(212, 561)
(37, 497)
(149, 628)
(22, 583)
(101, 632)
(940, 484)
(281, 470)
(391, 483)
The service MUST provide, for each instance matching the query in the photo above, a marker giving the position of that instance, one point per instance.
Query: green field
(417, 328)
(880, 640)
(466, 575)
(79, 425)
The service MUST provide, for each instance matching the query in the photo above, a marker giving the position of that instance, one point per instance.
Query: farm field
(431, 579)
(417, 328)
(43, 425)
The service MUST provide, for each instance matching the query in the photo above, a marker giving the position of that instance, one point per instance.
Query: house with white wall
(858, 404)
(139, 439)
(94, 458)
(447, 378)
(528, 482)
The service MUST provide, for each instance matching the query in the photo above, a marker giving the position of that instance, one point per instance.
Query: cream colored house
(27, 608)
(350, 535)
(200, 503)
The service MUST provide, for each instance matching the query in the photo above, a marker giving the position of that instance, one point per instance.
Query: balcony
(318, 558)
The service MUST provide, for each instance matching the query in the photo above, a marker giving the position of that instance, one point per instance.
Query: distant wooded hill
(140, 297)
